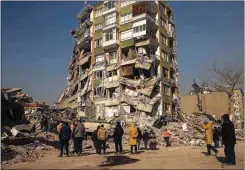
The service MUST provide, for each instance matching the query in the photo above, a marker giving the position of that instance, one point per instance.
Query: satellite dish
(141, 50)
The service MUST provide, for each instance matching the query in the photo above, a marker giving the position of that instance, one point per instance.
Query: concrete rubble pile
(188, 133)
(23, 153)
(53, 115)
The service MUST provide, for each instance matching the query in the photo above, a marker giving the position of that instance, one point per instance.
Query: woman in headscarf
(133, 134)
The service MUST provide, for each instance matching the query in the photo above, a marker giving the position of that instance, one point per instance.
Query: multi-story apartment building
(124, 60)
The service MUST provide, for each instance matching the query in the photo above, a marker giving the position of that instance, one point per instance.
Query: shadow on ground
(118, 160)
(221, 159)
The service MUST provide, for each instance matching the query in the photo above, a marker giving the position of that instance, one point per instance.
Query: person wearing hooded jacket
(78, 134)
(133, 134)
(117, 135)
(229, 139)
(64, 136)
(102, 137)
(209, 137)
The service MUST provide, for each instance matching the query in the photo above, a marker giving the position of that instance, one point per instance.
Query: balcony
(145, 16)
(172, 82)
(108, 26)
(111, 10)
(84, 38)
(84, 12)
(110, 44)
(83, 27)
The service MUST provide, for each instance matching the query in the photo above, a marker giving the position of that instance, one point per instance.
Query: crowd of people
(76, 132)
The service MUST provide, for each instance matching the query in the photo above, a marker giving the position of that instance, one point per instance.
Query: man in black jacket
(229, 139)
(95, 139)
(64, 136)
(117, 135)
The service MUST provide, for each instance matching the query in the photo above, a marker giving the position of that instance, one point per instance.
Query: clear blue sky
(36, 44)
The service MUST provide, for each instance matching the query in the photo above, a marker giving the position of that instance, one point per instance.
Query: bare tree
(225, 79)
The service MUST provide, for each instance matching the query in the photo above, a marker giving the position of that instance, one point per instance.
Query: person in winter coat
(102, 137)
(166, 137)
(209, 136)
(139, 137)
(95, 139)
(145, 138)
(64, 136)
(216, 137)
(117, 135)
(152, 141)
(229, 139)
(79, 134)
(133, 134)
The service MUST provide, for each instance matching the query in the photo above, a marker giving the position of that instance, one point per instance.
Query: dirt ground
(174, 157)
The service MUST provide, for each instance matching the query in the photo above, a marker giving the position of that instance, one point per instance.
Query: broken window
(98, 13)
(112, 73)
(100, 91)
(166, 108)
(139, 28)
(108, 5)
(139, 9)
(110, 19)
(126, 3)
(166, 90)
(125, 35)
(99, 59)
(165, 57)
(98, 74)
(164, 39)
(113, 57)
(126, 18)
(165, 73)
(98, 43)
(162, 8)
(111, 92)
(98, 27)
(109, 35)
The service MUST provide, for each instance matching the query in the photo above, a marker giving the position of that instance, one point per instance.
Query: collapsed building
(124, 61)
(12, 105)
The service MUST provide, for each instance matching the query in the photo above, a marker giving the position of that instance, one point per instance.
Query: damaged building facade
(124, 61)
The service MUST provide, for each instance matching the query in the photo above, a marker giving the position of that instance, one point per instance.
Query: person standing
(102, 137)
(229, 139)
(220, 135)
(95, 139)
(139, 137)
(145, 138)
(64, 136)
(216, 137)
(208, 136)
(166, 137)
(79, 133)
(133, 134)
(117, 135)
(152, 142)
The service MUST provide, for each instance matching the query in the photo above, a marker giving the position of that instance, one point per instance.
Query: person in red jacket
(166, 134)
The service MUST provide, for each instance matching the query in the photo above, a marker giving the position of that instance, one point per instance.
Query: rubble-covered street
(176, 158)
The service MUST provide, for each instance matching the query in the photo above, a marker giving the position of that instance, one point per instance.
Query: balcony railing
(83, 38)
(145, 16)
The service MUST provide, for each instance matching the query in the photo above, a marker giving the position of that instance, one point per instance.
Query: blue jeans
(216, 144)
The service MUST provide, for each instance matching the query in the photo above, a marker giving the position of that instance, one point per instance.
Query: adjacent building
(124, 61)
(216, 103)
